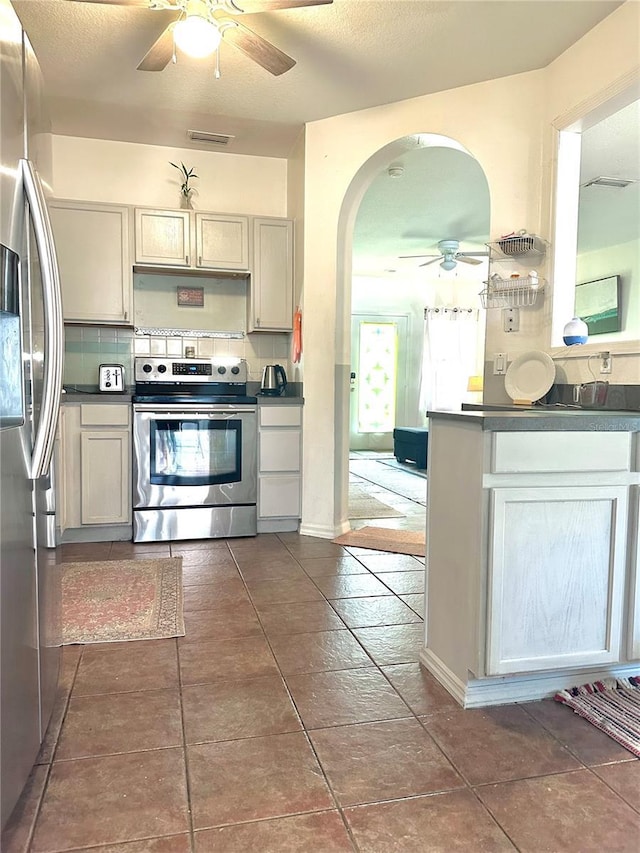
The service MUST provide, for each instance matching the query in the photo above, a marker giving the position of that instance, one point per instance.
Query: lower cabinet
(555, 599)
(97, 464)
(279, 464)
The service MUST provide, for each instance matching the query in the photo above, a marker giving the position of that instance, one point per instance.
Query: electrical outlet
(605, 362)
(510, 319)
(499, 363)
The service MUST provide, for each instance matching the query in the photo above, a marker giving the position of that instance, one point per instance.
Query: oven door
(203, 456)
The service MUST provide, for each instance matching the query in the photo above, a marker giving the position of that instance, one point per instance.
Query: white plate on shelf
(530, 376)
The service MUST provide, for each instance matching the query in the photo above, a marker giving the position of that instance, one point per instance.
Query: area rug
(613, 705)
(385, 539)
(363, 505)
(405, 466)
(115, 600)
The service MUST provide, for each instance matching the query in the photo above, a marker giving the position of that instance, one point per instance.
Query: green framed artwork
(598, 304)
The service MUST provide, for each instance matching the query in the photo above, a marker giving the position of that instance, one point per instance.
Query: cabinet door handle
(186, 260)
(199, 260)
(257, 321)
(126, 315)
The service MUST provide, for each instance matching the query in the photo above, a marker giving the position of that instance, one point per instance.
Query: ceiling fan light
(448, 264)
(196, 36)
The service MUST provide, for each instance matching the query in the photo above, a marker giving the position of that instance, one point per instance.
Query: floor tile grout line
(303, 727)
(185, 753)
(54, 750)
(495, 820)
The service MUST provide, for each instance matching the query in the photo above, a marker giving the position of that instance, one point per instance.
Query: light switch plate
(499, 363)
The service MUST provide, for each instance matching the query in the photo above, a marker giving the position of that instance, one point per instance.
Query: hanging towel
(297, 336)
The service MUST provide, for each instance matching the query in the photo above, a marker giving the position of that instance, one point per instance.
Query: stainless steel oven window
(195, 452)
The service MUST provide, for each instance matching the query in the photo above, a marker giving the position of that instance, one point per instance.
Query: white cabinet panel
(561, 452)
(105, 476)
(271, 291)
(634, 577)
(280, 416)
(222, 242)
(96, 457)
(279, 450)
(92, 244)
(556, 577)
(163, 237)
(279, 496)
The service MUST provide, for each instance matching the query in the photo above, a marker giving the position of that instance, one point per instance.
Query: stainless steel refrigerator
(31, 348)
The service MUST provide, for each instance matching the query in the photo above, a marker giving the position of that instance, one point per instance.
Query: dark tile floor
(293, 717)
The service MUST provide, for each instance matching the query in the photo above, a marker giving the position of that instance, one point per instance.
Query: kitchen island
(532, 551)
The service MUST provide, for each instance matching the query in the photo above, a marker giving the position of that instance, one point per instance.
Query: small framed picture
(191, 296)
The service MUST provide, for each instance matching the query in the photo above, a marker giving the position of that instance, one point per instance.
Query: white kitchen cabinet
(633, 651)
(184, 238)
(93, 248)
(532, 551)
(271, 288)
(222, 242)
(96, 450)
(555, 605)
(279, 464)
(163, 237)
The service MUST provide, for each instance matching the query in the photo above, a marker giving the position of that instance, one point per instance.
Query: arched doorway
(409, 196)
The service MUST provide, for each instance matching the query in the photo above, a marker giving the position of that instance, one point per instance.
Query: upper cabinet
(92, 244)
(163, 237)
(184, 238)
(271, 288)
(222, 242)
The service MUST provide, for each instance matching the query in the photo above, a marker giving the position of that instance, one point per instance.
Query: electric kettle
(274, 380)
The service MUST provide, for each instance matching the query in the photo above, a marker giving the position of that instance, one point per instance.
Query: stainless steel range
(194, 450)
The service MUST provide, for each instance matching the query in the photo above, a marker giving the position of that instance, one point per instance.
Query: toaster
(111, 377)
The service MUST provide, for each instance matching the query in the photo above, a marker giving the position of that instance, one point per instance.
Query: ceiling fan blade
(238, 7)
(467, 260)
(144, 4)
(255, 47)
(159, 54)
(432, 261)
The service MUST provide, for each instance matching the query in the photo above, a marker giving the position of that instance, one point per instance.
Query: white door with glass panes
(378, 380)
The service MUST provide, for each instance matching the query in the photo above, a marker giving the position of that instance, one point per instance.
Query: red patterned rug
(613, 705)
(115, 600)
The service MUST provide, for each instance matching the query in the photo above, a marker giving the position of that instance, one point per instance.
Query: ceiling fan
(449, 255)
(200, 25)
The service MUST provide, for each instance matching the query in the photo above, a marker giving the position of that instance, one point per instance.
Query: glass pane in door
(377, 356)
(195, 452)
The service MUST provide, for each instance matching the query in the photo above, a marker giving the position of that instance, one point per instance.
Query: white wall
(129, 173)
(506, 125)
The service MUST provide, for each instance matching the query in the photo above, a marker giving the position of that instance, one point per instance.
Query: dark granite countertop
(536, 419)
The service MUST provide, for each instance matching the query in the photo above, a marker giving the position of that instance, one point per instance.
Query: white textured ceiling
(350, 55)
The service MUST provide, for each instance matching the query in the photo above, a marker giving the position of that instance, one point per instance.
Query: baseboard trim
(98, 533)
(321, 531)
(504, 690)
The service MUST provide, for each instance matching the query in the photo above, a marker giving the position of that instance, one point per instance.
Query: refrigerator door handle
(54, 336)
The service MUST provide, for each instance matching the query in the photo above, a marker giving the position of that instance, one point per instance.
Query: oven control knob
(222, 369)
(162, 368)
(235, 370)
(147, 368)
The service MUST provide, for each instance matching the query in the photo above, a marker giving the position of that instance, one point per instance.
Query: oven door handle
(182, 415)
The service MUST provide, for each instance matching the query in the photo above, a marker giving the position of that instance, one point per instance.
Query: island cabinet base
(507, 689)
(532, 553)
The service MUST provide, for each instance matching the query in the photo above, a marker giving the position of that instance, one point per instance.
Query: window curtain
(448, 358)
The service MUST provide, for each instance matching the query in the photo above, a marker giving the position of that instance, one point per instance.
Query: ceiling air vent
(618, 183)
(212, 138)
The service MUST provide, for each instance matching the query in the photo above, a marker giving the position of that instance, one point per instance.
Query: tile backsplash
(86, 347)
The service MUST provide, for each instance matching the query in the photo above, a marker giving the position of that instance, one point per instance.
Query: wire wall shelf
(525, 246)
(511, 292)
